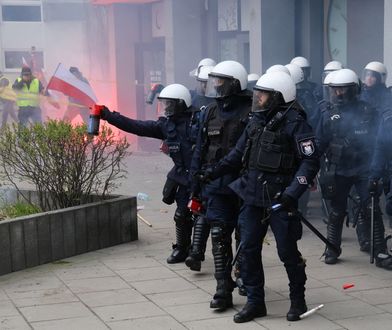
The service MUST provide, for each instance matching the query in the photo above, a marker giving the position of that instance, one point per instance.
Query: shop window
(21, 13)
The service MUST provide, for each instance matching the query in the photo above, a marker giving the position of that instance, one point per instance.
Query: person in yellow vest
(7, 100)
(28, 89)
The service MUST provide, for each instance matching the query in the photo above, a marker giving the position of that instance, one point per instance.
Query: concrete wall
(45, 237)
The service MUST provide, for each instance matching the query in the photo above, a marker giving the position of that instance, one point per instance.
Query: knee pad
(336, 217)
(182, 217)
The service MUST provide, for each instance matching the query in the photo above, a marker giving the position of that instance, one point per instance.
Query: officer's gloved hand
(105, 112)
(373, 187)
(287, 203)
(205, 176)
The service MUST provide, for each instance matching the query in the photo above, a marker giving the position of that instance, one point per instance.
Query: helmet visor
(340, 95)
(219, 86)
(167, 107)
(371, 78)
(261, 100)
(201, 86)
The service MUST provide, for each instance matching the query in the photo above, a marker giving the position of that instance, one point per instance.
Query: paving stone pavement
(131, 286)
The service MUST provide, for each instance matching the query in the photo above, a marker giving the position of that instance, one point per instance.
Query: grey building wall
(187, 20)
(388, 39)
(309, 25)
(277, 32)
(365, 33)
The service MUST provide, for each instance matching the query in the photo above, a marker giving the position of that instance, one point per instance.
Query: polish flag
(65, 82)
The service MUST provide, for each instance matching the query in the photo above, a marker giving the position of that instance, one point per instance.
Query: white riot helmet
(204, 62)
(343, 87)
(277, 68)
(226, 78)
(331, 66)
(279, 87)
(303, 63)
(252, 79)
(202, 79)
(326, 81)
(296, 73)
(174, 99)
(374, 73)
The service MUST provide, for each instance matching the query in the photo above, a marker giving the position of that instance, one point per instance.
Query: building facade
(122, 46)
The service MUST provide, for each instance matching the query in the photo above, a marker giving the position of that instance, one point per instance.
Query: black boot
(201, 231)
(237, 266)
(223, 255)
(296, 309)
(183, 237)
(223, 298)
(334, 234)
(383, 259)
(249, 312)
(363, 232)
(297, 280)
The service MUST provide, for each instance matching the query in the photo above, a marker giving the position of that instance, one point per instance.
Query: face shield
(307, 72)
(371, 78)
(341, 95)
(261, 100)
(220, 86)
(201, 86)
(168, 107)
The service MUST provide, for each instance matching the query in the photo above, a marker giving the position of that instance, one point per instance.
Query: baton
(372, 230)
(334, 248)
(237, 253)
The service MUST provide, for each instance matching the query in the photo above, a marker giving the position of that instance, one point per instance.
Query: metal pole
(372, 230)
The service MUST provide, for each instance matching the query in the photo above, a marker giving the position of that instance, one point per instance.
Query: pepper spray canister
(93, 122)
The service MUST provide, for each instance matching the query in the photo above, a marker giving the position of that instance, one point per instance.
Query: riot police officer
(278, 158)
(176, 130)
(307, 86)
(223, 124)
(201, 227)
(374, 90)
(382, 161)
(346, 134)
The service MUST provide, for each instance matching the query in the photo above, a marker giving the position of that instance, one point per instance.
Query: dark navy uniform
(277, 157)
(178, 134)
(346, 134)
(378, 96)
(381, 168)
(223, 124)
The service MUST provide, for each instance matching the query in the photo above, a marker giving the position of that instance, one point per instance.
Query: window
(21, 13)
(16, 59)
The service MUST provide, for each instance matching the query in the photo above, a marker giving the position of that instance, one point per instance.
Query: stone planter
(45, 237)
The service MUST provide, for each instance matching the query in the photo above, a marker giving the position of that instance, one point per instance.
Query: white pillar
(388, 39)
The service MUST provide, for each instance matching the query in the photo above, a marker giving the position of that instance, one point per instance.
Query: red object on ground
(348, 286)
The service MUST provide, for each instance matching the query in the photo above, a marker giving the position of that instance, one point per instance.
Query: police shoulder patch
(302, 180)
(307, 147)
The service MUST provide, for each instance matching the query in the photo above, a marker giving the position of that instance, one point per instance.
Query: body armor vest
(221, 135)
(179, 145)
(346, 145)
(269, 148)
